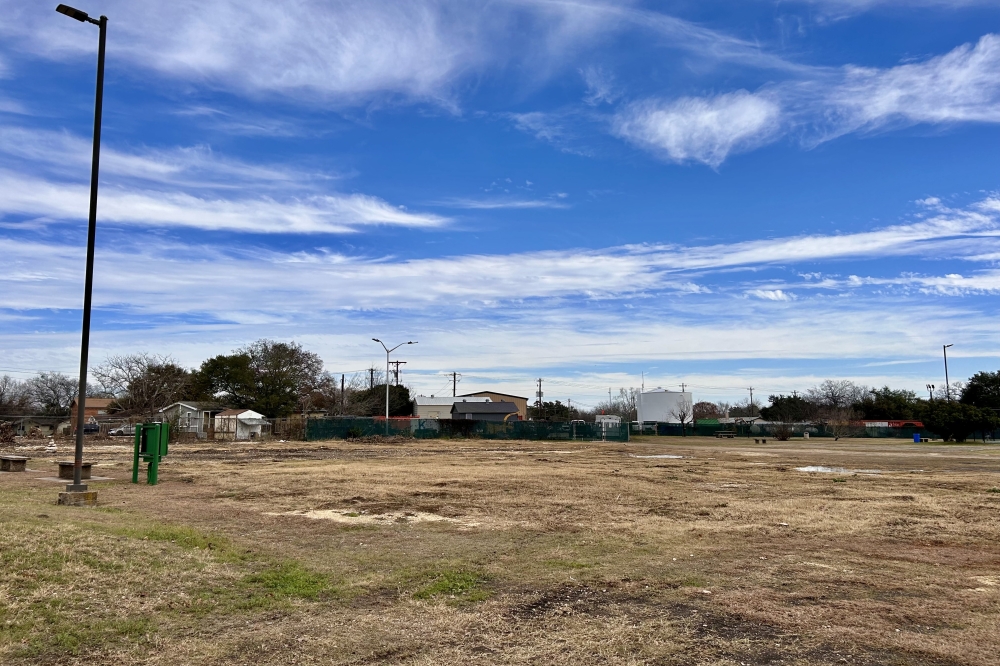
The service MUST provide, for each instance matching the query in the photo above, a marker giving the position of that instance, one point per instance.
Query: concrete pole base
(78, 498)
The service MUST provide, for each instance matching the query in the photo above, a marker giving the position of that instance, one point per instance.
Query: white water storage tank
(663, 406)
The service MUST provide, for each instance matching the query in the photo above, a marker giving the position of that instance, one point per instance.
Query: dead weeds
(427, 552)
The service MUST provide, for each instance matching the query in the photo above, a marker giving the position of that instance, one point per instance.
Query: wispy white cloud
(479, 281)
(318, 214)
(958, 87)
(771, 294)
(182, 187)
(839, 9)
(601, 88)
(703, 130)
(354, 51)
(497, 203)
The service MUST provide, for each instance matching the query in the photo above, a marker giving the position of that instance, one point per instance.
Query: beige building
(430, 407)
(522, 403)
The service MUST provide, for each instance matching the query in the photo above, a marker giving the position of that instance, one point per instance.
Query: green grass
(69, 636)
(454, 584)
(287, 580)
(182, 536)
(993, 490)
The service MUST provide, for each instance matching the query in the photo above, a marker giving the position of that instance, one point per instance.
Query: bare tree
(52, 392)
(745, 408)
(839, 421)
(683, 413)
(142, 384)
(623, 405)
(955, 391)
(837, 393)
(15, 397)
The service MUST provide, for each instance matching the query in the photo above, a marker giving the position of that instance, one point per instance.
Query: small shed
(484, 411)
(240, 424)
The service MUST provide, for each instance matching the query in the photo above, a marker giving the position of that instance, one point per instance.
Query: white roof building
(663, 406)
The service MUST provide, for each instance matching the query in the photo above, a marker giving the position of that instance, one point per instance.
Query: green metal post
(135, 458)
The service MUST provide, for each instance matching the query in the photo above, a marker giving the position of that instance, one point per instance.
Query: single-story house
(42, 426)
(240, 424)
(520, 401)
(191, 416)
(484, 411)
(430, 407)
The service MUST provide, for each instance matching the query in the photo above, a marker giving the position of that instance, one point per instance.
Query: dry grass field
(660, 551)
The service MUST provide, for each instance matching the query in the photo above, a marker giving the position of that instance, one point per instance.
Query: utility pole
(682, 387)
(751, 401)
(930, 392)
(539, 394)
(371, 377)
(342, 395)
(396, 371)
(947, 388)
(454, 384)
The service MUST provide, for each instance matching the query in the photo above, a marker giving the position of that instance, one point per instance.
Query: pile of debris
(382, 439)
(6, 432)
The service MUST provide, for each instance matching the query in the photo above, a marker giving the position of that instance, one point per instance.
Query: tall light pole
(930, 392)
(102, 23)
(947, 387)
(387, 352)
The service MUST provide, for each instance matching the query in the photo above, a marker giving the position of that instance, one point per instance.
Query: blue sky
(724, 194)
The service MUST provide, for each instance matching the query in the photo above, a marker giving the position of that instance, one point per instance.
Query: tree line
(276, 379)
(964, 409)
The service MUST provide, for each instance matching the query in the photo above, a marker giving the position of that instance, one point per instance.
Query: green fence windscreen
(348, 428)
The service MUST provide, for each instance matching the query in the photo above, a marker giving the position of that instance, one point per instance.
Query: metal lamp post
(102, 23)
(387, 352)
(947, 387)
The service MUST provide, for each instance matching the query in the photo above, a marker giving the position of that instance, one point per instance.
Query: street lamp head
(411, 343)
(946, 346)
(82, 17)
(377, 340)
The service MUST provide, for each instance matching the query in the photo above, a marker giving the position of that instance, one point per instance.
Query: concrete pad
(81, 498)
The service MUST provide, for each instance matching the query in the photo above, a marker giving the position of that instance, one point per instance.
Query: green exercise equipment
(151, 444)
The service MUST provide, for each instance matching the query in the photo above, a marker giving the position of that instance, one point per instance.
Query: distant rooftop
(484, 408)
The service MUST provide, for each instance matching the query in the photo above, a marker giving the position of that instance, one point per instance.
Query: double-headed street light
(387, 352)
(102, 23)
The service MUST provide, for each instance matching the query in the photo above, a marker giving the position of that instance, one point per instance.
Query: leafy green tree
(273, 378)
(983, 390)
(789, 409)
(955, 420)
(553, 411)
(371, 402)
(889, 404)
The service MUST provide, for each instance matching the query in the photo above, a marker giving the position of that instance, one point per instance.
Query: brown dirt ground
(509, 553)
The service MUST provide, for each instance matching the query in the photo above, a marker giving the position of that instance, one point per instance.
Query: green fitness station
(151, 444)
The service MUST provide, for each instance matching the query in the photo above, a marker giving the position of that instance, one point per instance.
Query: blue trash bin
(916, 438)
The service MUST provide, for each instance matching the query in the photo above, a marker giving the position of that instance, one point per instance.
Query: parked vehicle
(127, 429)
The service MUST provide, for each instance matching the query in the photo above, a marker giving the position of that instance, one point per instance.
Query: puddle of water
(836, 470)
(660, 456)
